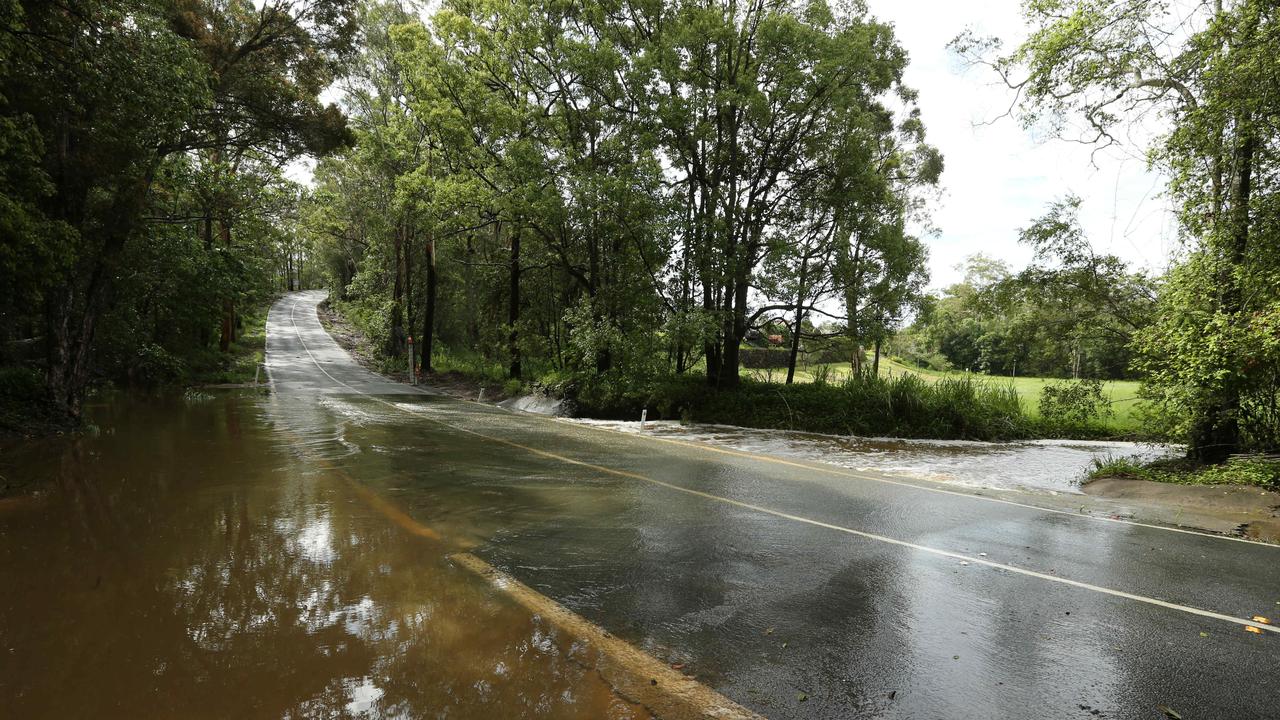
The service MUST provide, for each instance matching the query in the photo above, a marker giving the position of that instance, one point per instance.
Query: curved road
(805, 591)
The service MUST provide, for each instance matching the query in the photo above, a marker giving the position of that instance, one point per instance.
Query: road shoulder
(1228, 509)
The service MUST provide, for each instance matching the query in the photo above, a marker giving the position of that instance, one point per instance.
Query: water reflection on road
(1054, 465)
(207, 558)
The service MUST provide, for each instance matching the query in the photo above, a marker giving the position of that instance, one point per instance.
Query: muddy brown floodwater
(198, 560)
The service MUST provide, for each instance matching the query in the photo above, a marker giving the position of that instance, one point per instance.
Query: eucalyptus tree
(752, 97)
(527, 105)
(266, 64)
(1209, 70)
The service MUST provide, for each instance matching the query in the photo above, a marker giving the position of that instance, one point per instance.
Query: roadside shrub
(899, 406)
(154, 365)
(1241, 471)
(21, 384)
(23, 407)
(1074, 403)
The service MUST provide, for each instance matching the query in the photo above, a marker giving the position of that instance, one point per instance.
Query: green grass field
(1123, 393)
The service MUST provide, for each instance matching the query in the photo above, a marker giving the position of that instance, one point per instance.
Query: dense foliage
(1211, 358)
(630, 200)
(1071, 313)
(141, 143)
(624, 189)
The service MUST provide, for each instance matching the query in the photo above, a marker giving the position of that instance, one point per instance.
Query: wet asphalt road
(755, 583)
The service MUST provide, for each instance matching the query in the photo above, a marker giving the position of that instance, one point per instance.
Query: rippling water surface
(1052, 465)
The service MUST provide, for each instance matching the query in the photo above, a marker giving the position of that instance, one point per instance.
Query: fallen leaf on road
(1169, 712)
(801, 697)
(1204, 634)
(768, 631)
(677, 666)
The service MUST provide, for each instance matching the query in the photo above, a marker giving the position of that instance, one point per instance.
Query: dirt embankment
(1229, 509)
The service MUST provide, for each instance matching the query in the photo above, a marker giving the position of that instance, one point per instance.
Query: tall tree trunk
(736, 331)
(411, 236)
(228, 334)
(795, 331)
(1215, 433)
(513, 306)
(397, 294)
(429, 315)
(72, 314)
(875, 363)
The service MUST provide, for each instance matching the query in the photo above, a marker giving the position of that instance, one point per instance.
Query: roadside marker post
(413, 379)
(644, 417)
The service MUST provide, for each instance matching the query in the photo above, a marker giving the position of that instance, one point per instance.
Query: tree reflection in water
(185, 563)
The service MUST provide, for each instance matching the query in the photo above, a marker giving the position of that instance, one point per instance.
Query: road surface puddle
(1054, 465)
(204, 558)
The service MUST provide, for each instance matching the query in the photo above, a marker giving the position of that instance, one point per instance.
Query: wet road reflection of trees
(187, 563)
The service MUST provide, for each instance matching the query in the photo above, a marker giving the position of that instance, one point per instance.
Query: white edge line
(841, 472)
(818, 523)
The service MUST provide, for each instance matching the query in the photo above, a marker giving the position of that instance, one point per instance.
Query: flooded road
(288, 555)
(1052, 465)
(204, 558)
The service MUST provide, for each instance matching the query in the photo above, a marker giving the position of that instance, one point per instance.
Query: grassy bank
(1250, 472)
(1122, 393)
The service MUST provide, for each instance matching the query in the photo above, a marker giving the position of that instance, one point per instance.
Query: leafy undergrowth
(1255, 473)
(901, 406)
(241, 363)
(23, 408)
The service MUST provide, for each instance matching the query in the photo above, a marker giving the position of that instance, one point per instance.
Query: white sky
(999, 177)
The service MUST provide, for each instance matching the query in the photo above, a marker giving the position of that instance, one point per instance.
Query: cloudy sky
(1000, 177)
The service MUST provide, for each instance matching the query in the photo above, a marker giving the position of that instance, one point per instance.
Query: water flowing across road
(294, 553)
(1046, 465)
